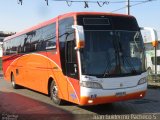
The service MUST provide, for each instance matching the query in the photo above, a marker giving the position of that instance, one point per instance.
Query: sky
(15, 17)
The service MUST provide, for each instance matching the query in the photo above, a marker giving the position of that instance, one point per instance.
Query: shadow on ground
(15, 105)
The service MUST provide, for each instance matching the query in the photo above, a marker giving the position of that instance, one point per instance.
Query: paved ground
(27, 104)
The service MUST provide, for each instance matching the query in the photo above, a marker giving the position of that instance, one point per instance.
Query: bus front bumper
(100, 96)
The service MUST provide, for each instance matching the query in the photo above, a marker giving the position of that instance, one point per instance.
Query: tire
(14, 85)
(54, 94)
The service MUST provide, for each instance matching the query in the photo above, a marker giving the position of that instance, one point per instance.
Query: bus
(86, 58)
(150, 57)
(152, 49)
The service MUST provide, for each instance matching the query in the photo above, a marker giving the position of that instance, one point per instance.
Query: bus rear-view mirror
(153, 34)
(80, 42)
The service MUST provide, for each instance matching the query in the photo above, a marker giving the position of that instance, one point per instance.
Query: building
(2, 36)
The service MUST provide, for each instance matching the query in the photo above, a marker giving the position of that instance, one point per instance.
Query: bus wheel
(54, 93)
(14, 85)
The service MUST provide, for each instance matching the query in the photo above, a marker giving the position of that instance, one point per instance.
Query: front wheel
(14, 85)
(54, 94)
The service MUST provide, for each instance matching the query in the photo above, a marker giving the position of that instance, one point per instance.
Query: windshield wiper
(136, 36)
(107, 71)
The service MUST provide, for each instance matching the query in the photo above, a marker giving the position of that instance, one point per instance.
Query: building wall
(3, 34)
(1, 49)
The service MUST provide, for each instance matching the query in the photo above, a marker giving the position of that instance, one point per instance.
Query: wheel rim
(13, 83)
(55, 92)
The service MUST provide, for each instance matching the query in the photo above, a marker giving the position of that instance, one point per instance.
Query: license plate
(120, 94)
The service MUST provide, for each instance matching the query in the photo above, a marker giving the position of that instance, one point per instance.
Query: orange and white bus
(87, 58)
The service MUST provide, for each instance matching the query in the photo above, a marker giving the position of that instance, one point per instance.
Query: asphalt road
(27, 104)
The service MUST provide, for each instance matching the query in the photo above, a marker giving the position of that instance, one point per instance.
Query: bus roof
(61, 17)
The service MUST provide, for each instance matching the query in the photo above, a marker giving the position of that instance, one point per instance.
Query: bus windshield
(112, 53)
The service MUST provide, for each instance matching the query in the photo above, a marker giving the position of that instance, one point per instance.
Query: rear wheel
(54, 94)
(14, 85)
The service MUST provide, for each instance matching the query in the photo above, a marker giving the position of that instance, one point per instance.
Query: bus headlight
(91, 84)
(142, 81)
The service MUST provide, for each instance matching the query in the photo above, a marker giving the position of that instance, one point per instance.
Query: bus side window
(10, 47)
(71, 62)
(6, 48)
(21, 46)
(49, 36)
(45, 38)
(39, 38)
(27, 41)
(68, 54)
(33, 41)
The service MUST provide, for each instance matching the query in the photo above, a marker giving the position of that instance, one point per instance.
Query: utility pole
(128, 7)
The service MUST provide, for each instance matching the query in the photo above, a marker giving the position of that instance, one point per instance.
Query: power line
(19, 2)
(102, 3)
(86, 2)
(46, 2)
(91, 1)
(139, 2)
(99, 3)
